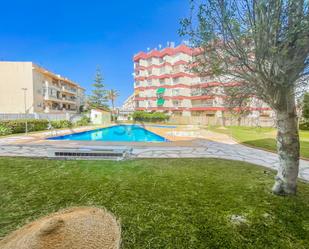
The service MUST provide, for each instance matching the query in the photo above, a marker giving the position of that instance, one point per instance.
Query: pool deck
(184, 142)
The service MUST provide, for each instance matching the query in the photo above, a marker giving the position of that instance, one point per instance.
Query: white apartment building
(42, 91)
(129, 103)
(127, 109)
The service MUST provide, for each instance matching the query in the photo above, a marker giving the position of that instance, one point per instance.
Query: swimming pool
(121, 133)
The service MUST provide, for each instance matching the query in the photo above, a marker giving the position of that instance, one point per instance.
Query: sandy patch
(74, 228)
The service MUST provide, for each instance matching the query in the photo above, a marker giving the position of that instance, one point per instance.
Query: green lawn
(174, 203)
(264, 138)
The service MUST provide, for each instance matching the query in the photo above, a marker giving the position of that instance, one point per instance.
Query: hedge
(149, 116)
(5, 130)
(83, 121)
(19, 126)
(58, 124)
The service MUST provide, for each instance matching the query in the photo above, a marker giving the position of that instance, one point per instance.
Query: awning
(160, 90)
(160, 102)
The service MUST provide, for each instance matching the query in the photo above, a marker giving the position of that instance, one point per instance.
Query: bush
(5, 130)
(150, 116)
(83, 122)
(304, 125)
(58, 124)
(19, 126)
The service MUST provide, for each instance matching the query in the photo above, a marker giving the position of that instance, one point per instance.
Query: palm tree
(112, 96)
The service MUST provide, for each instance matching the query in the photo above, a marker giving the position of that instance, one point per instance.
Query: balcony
(51, 97)
(68, 100)
(204, 104)
(68, 90)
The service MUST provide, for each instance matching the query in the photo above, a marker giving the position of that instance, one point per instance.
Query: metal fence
(49, 116)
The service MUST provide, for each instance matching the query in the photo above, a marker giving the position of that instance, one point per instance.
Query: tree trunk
(113, 110)
(223, 119)
(239, 121)
(288, 149)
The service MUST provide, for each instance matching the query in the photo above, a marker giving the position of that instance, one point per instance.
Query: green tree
(306, 106)
(98, 98)
(112, 96)
(263, 45)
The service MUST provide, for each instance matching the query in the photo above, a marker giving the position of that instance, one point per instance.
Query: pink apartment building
(163, 82)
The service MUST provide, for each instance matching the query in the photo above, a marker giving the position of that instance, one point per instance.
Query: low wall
(216, 121)
(49, 116)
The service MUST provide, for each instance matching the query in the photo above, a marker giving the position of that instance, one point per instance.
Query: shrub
(150, 116)
(304, 125)
(58, 124)
(83, 121)
(5, 130)
(19, 126)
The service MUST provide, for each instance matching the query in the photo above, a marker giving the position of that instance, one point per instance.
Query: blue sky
(73, 37)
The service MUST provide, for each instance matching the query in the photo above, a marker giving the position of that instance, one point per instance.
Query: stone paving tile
(206, 149)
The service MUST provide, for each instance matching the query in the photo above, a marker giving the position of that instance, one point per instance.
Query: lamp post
(25, 105)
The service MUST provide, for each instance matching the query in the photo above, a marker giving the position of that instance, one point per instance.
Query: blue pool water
(123, 133)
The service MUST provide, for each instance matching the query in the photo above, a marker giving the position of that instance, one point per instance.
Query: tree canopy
(262, 44)
(262, 47)
(98, 97)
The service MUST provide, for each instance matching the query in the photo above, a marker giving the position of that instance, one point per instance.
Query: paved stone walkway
(202, 149)
(213, 149)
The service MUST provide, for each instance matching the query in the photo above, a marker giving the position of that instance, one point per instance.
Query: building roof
(47, 72)
(100, 109)
(182, 48)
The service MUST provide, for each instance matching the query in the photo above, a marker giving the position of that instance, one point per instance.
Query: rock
(238, 219)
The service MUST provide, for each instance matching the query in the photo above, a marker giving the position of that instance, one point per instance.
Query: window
(161, 60)
(149, 82)
(162, 81)
(176, 103)
(177, 68)
(207, 103)
(162, 70)
(176, 80)
(149, 62)
(204, 79)
(175, 92)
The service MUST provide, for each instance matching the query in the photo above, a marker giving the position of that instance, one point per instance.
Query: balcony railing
(210, 104)
(51, 97)
(59, 99)
(70, 90)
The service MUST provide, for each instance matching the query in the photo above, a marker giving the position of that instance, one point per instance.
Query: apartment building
(129, 103)
(42, 91)
(163, 82)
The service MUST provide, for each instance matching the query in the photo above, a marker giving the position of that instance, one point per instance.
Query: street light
(25, 105)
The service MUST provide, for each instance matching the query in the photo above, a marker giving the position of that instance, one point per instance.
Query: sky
(72, 38)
